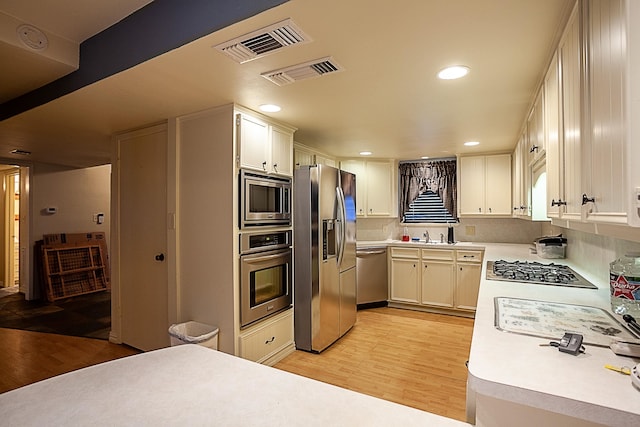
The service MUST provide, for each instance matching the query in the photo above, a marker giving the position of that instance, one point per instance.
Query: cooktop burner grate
(536, 272)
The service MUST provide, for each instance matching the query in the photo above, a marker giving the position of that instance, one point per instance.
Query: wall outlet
(94, 218)
(470, 230)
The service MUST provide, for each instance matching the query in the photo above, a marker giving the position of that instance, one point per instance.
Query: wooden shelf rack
(71, 271)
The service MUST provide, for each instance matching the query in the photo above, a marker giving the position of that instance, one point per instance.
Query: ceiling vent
(295, 73)
(263, 42)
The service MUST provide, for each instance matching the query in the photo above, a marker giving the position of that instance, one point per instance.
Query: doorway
(10, 214)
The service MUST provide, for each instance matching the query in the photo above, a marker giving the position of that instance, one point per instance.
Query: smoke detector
(32, 37)
(307, 70)
(264, 41)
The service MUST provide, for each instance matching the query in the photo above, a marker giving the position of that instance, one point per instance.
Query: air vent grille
(316, 68)
(264, 41)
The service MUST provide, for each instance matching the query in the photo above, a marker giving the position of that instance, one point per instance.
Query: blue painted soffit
(159, 27)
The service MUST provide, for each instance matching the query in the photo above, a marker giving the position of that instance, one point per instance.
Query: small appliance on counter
(551, 247)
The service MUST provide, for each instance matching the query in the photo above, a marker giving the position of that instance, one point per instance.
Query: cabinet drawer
(438, 254)
(469, 256)
(413, 253)
(266, 339)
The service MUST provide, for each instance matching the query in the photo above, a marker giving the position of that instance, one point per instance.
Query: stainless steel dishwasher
(372, 289)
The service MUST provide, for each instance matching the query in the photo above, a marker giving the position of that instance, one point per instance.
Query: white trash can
(194, 333)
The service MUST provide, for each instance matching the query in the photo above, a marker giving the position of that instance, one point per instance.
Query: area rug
(82, 316)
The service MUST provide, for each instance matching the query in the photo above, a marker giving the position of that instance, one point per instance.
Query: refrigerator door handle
(342, 215)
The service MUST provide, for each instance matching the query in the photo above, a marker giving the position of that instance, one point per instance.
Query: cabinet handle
(558, 203)
(586, 199)
(468, 256)
(275, 167)
(264, 165)
(534, 148)
(479, 209)
(270, 341)
(490, 210)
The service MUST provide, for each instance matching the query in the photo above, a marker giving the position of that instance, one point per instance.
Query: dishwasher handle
(370, 252)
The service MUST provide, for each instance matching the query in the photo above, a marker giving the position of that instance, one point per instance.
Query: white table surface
(189, 385)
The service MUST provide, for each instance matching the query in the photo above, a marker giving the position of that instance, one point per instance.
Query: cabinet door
(405, 280)
(438, 278)
(535, 128)
(253, 144)
(281, 151)
(606, 144)
(467, 285)
(553, 143)
(498, 185)
(357, 167)
(571, 78)
(379, 188)
(302, 158)
(472, 175)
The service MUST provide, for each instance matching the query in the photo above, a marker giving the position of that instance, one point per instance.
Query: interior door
(142, 221)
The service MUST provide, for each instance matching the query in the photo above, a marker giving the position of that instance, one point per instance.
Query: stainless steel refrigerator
(324, 250)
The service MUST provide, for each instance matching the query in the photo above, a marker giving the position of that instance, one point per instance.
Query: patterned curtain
(438, 176)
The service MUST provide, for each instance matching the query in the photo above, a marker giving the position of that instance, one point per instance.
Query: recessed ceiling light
(270, 108)
(471, 143)
(454, 72)
(424, 157)
(365, 153)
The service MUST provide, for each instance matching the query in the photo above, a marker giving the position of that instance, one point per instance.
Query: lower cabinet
(438, 277)
(435, 279)
(468, 271)
(270, 340)
(405, 275)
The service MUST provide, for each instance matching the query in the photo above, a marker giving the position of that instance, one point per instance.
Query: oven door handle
(259, 258)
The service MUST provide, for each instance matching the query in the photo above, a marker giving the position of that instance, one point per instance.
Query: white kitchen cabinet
(468, 272)
(570, 56)
(263, 145)
(375, 184)
(605, 150)
(535, 130)
(553, 140)
(485, 185)
(404, 271)
(521, 191)
(443, 280)
(302, 156)
(438, 278)
(268, 339)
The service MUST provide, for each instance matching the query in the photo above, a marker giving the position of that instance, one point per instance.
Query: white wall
(78, 194)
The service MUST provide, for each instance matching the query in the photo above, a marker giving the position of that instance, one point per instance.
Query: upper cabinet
(485, 185)
(263, 145)
(375, 186)
(605, 195)
(303, 155)
(535, 130)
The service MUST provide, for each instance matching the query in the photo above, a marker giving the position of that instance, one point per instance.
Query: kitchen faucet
(426, 236)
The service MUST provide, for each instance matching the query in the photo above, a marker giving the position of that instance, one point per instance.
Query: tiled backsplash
(468, 230)
(591, 252)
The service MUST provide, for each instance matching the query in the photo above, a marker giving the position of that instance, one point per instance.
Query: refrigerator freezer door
(347, 300)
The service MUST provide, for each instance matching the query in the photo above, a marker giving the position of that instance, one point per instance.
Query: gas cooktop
(535, 272)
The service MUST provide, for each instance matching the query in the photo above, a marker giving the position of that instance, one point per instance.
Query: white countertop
(190, 385)
(516, 368)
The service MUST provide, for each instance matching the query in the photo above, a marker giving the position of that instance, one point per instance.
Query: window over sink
(428, 191)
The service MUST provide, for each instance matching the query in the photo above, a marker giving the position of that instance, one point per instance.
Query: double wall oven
(266, 269)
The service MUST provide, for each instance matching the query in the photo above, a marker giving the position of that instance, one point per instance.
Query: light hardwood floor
(409, 357)
(413, 358)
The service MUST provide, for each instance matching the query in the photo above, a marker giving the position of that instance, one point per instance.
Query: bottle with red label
(624, 284)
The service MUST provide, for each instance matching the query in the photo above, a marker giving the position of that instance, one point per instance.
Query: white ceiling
(388, 100)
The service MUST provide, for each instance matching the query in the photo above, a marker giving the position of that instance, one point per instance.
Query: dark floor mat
(82, 316)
